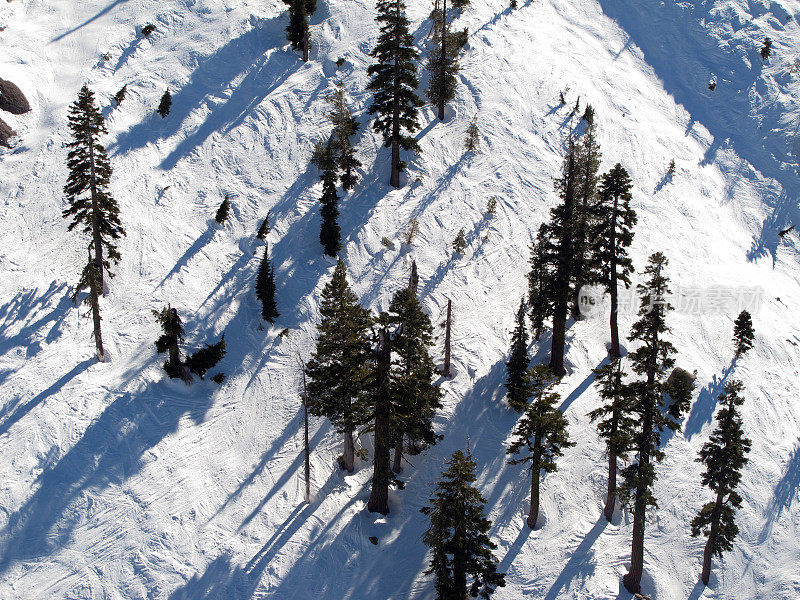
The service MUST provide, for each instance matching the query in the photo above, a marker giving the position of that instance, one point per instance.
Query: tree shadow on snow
(703, 408)
(91, 19)
(581, 561)
(27, 305)
(785, 214)
(785, 492)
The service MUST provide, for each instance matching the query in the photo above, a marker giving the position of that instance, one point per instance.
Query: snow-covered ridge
(119, 484)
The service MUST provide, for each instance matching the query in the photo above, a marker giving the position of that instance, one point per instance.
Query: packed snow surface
(117, 483)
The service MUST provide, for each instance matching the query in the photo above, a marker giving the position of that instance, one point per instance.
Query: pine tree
(344, 127)
(559, 254)
(679, 386)
(340, 366)
(170, 341)
(382, 475)
(724, 456)
(264, 228)
(165, 105)
(329, 233)
(206, 358)
(649, 361)
(743, 333)
(414, 396)
(584, 215)
(614, 423)
(90, 203)
(458, 535)
(472, 143)
(120, 95)
(540, 435)
(613, 234)
(460, 243)
(443, 66)
(518, 386)
(539, 298)
(394, 83)
(265, 289)
(223, 211)
(461, 4)
(766, 50)
(297, 31)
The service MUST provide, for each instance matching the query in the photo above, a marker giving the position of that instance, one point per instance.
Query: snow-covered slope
(117, 483)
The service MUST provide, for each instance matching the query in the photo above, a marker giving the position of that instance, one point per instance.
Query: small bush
(165, 105)
(219, 378)
(223, 211)
(671, 168)
(106, 56)
(412, 231)
(339, 62)
(460, 243)
(148, 29)
(491, 206)
(387, 243)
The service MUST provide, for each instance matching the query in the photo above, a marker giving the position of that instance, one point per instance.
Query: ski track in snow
(117, 483)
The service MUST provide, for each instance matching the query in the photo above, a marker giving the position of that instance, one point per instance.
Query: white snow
(117, 483)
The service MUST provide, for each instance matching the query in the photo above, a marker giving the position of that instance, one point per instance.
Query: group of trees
(199, 362)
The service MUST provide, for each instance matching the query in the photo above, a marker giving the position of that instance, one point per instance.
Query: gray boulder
(12, 99)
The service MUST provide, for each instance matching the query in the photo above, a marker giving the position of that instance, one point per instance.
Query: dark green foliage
(394, 83)
(329, 233)
(340, 366)
(344, 127)
(766, 49)
(460, 243)
(588, 115)
(442, 64)
(743, 333)
(615, 425)
(414, 396)
(206, 358)
(148, 29)
(165, 105)
(90, 203)
(264, 228)
(297, 30)
(513, 4)
(458, 535)
(538, 284)
(223, 211)
(170, 339)
(518, 385)
(472, 143)
(265, 289)
(219, 378)
(120, 95)
(679, 386)
(460, 4)
(724, 456)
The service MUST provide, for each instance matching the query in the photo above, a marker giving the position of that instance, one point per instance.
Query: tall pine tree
(91, 205)
(265, 288)
(458, 535)
(414, 396)
(297, 31)
(540, 435)
(329, 233)
(743, 334)
(443, 65)
(724, 456)
(539, 281)
(340, 367)
(614, 423)
(394, 84)
(518, 388)
(650, 361)
(382, 475)
(613, 234)
(344, 127)
(170, 341)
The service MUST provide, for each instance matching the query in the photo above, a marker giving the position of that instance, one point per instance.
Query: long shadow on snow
(91, 19)
(785, 492)
(724, 115)
(211, 82)
(581, 562)
(27, 303)
(703, 408)
(109, 451)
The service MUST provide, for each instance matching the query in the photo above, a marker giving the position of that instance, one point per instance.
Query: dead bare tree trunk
(413, 280)
(446, 369)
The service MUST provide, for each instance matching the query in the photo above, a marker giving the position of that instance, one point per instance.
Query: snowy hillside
(118, 483)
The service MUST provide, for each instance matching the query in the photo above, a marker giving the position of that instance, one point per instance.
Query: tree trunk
(379, 496)
(443, 59)
(394, 181)
(446, 370)
(397, 465)
(559, 340)
(611, 496)
(533, 514)
(96, 237)
(612, 285)
(459, 575)
(348, 459)
(708, 552)
(175, 357)
(305, 46)
(94, 294)
(633, 578)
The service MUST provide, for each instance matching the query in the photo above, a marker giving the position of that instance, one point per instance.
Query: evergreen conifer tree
(265, 289)
(540, 435)
(724, 456)
(264, 228)
(614, 423)
(679, 386)
(206, 358)
(329, 233)
(223, 211)
(472, 143)
(394, 84)
(414, 396)
(170, 340)
(90, 203)
(165, 105)
(538, 284)
(613, 234)
(340, 367)
(766, 49)
(743, 333)
(382, 475)
(518, 386)
(297, 31)
(458, 535)
(344, 127)
(120, 95)
(649, 361)
(443, 66)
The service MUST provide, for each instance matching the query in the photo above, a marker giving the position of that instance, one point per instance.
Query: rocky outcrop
(12, 99)
(6, 133)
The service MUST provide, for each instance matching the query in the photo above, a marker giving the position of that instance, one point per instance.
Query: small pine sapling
(148, 29)
(561, 99)
(472, 142)
(671, 168)
(223, 211)
(412, 231)
(460, 243)
(120, 95)
(588, 115)
(766, 49)
(518, 384)
(743, 333)
(165, 105)
(491, 206)
(206, 358)
(513, 4)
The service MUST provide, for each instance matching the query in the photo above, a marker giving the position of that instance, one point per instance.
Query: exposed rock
(6, 133)
(12, 99)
